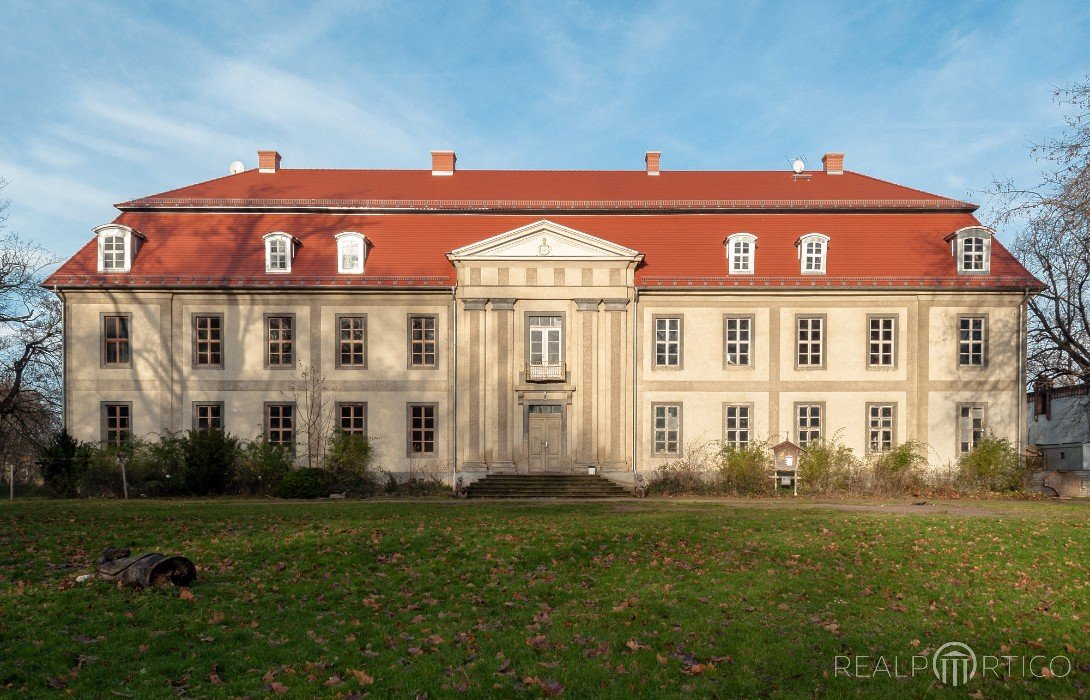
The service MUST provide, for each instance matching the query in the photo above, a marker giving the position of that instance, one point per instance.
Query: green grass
(608, 599)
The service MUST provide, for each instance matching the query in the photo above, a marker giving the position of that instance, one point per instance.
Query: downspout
(454, 385)
(1022, 340)
(635, 376)
(64, 356)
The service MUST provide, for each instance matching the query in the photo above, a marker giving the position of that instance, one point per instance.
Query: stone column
(614, 433)
(586, 445)
(502, 382)
(473, 398)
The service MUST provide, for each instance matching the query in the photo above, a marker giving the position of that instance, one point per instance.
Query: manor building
(481, 321)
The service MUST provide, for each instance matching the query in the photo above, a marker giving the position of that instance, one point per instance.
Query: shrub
(693, 473)
(349, 460)
(260, 467)
(102, 478)
(829, 466)
(900, 471)
(992, 465)
(745, 471)
(62, 465)
(308, 482)
(210, 459)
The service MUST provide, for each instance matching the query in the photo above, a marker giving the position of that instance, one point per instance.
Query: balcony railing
(546, 373)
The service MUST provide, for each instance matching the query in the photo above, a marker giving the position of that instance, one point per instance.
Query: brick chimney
(652, 159)
(834, 163)
(442, 162)
(268, 161)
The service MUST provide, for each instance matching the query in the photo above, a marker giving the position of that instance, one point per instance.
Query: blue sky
(100, 102)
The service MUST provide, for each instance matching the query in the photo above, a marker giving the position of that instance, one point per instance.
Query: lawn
(606, 599)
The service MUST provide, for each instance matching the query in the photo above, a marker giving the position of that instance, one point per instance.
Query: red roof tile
(885, 249)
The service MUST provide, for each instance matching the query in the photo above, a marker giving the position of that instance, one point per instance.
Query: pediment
(544, 240)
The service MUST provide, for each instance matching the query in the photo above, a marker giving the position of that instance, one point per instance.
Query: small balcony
(546, 373)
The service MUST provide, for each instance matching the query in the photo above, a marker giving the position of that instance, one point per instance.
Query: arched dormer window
(741, 251)
(972, 248)
(279, 251)
(117, 246)
(812, 253)
(351, 252)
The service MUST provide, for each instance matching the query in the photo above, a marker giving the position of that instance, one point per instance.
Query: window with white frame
(810, 341)
(808, 423)
(882, 341)
(738, 331)
(278, 252)
(812, 249)
(668, 341)
(880, 427)
(667, 426)
(351, 252)
(970, 426)
(971, 247)
(736, 425)
(546, 338)
(116, 247)
(741, 249)
(972, 339)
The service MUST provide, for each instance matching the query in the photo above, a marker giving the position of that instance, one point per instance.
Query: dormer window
(351, 252)
(812, 249)
(279, 250)
(741, 250)
(117, 246)
(972, 247)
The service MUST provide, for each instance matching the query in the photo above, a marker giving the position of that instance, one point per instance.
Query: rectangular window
(116, 423)
(280, 424)
(278, 254)
(810, 341)
(280, 335)
(353, 418)
(739, 335)
(422, 341)
(667, 426)
(972, 337)
(352, 341)
(208, 341)
(422, 430)
(973, 255)
(808, 423)
(668, 341)
(736, 425)
(880, 418)
(208, 416)
(882, 341)
(113, 253)
(546, 339)
(116, 347)
(970, 426)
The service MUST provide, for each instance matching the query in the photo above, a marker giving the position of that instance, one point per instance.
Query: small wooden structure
(786, 469)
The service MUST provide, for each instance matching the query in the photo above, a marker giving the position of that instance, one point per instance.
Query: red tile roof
(682, 250)
(539, 190)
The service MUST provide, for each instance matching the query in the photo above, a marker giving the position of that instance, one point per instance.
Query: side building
(477, 321)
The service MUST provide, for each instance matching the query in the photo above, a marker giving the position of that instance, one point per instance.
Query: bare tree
(313, 410)
(1054, 244)
(30, 345)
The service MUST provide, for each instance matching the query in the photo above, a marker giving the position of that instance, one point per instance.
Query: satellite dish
(237, 167)
(799, 165)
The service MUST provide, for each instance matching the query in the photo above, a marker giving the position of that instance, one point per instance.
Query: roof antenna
(799, 165)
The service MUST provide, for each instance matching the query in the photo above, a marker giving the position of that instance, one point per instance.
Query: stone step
(546, 486)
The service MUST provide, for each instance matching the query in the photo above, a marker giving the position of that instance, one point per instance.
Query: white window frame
(667, 342)
(737, 424)
(129, 244)
(813, 250)
(741, 253)
(810, 342)
(980, 260)
(289, 242)
(344, 239)
(666, 429)
(881, 427)
(809, 423)
(738, 341)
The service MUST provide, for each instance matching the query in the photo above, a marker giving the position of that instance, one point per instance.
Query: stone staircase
(546, 486)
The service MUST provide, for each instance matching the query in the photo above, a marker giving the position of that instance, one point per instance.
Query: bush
(349, 460)
(745, 471)
(260, 467)
(62, 465)
(992, 465)
(693, 473)
(210, 459)
(829, 466)
(102, 478)
(900, 471)
(307, 482)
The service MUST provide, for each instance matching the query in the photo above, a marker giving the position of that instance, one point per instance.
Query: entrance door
(546, 430)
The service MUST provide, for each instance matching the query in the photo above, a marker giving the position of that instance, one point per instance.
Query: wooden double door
(545, 437)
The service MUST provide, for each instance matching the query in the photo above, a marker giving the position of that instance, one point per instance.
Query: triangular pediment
(544, 240)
